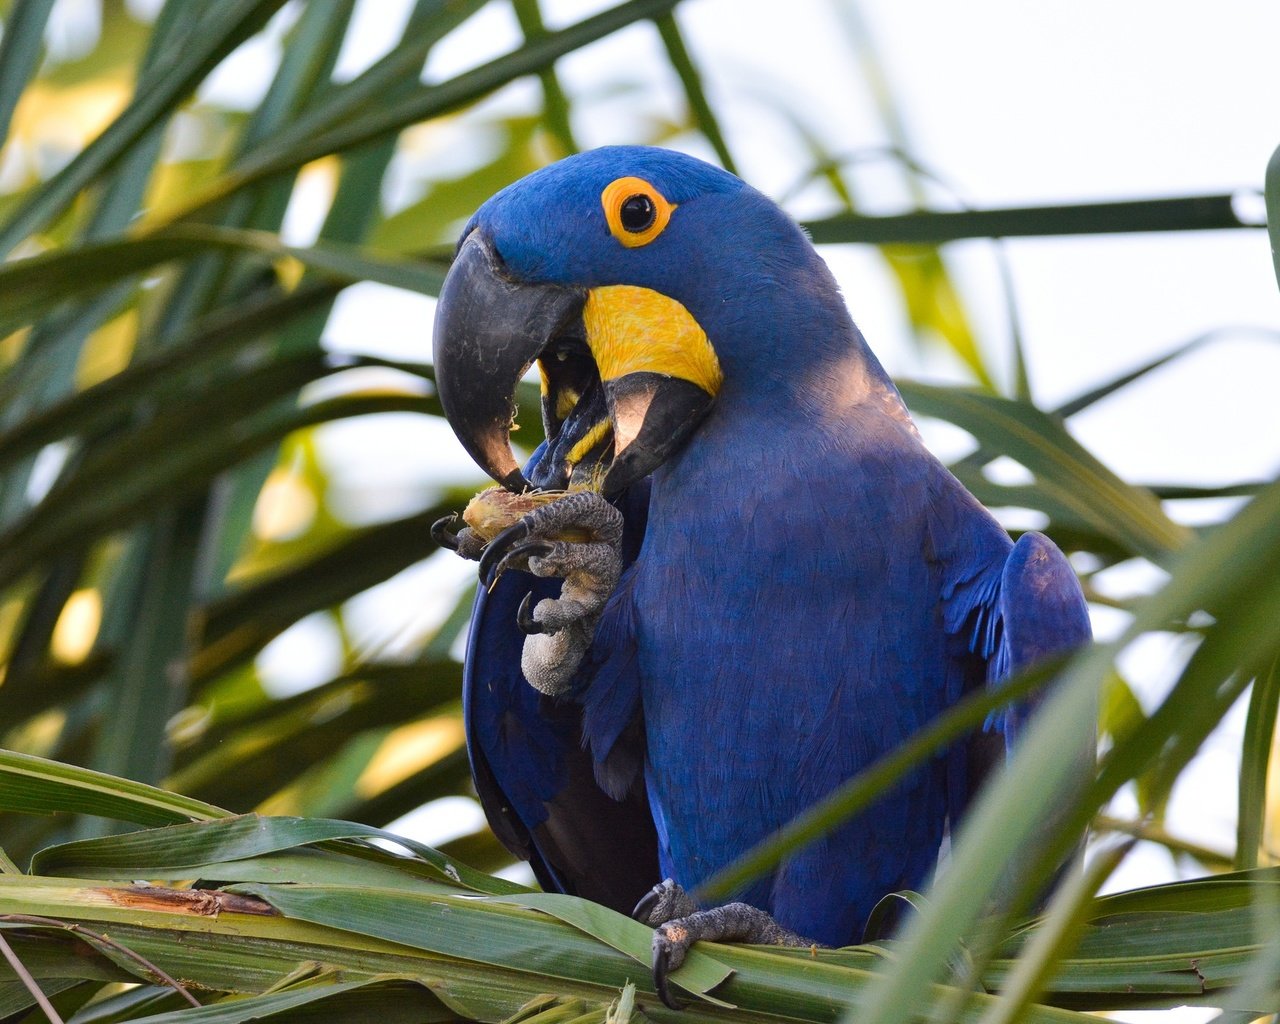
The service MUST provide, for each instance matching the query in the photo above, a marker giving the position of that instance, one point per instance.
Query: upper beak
(490, 329)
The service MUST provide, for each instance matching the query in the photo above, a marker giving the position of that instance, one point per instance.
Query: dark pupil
(638, 213)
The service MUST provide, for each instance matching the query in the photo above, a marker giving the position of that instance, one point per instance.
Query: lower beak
(652, 415)
(490, 328)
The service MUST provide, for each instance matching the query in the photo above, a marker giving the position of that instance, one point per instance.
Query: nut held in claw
(493, 510)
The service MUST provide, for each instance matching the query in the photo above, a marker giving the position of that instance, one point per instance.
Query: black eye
(637, 213)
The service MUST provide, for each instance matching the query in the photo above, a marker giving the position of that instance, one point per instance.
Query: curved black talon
(441, 534)
(495, 551)
(522, 551)
(525, 620)
(647, 902)
(660, 966)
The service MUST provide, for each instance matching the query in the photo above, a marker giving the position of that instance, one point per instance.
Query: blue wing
(1005, 615)
(535, 780)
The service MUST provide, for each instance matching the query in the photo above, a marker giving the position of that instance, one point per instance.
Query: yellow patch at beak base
(633, 330)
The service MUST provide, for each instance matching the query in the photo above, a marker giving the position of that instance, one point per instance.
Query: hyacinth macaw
(760, 582)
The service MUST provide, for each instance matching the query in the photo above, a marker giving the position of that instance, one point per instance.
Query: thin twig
(25, 977)
(80, 929)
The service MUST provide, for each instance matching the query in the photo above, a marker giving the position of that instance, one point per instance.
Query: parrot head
(636, 280)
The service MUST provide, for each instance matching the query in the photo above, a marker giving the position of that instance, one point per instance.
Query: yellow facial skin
(635, 330)
(589, 440)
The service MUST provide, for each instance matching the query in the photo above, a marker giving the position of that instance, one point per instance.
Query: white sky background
(1010, 103)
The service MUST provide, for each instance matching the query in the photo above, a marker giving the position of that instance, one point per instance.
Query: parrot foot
(559, 630)
(679, 924)
(582, 514)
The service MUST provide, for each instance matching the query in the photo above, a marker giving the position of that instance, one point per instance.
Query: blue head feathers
(744, 270)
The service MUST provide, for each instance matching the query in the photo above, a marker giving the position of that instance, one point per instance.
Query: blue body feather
(810, 588)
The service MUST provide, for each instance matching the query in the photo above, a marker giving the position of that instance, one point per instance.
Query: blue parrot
(759, 580)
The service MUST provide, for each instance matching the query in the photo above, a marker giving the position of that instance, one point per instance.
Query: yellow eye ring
(636, 211)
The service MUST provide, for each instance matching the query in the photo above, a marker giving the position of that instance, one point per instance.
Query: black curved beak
(652, 415)
(488, 331)
(490, 328)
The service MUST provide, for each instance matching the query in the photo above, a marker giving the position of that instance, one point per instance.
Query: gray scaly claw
(559, 630)
(679, 924)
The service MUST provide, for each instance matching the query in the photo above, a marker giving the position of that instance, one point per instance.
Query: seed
(493, 510)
